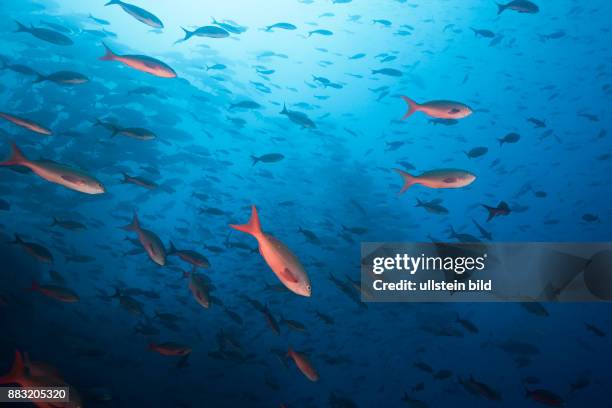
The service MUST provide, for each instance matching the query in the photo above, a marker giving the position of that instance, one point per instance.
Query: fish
(63, 78)
(320, 32)
(232, 28)
(267, 158)
(56, 292)
(26, 124)
(483, 33)
(477, 152)
(438, 109)
(192, 257)
(68, 224)
(388, 71)
(37, 251)
(442, 178)
(521, 6)
(298, 117)
(149, 241)
(205, 31)
(283, 26)
(170, 349)
(304, 365)
(131, 132)
(245, 105)
(139, 14)
(98, 20)
(502, 209)
(141, 63)
(544, 397)
(279, 258)
(56, 173)
(433, 206)
(139, 181)
(45, 34)
(483, 232)
(509, 138)
(199, 289)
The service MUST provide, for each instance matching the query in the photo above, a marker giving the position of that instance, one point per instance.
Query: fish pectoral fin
(288, 275)
(449, 180)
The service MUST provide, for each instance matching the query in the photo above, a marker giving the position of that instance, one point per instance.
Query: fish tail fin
(135, 225)
(419, 203)
(171, 249)
(409, 180)
(39, 78)
(309, 33)
(452, 232)
(500, 8)
(188, 34)
(474, 30)
(253, 227)
(501, 141)
(54, 223)
(255, 159)
(284, 111)
(412, 107)
(20, 27)
(289, 352)
(16, 159)
(17, 371)
(109, 54)
(491, 212)
(125, 177)
(17, 240)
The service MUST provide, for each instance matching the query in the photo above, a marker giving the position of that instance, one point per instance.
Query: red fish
(443, 178)
(304, 365)
(502, 209)
(279, 258)
(55, 292)
(438, 109)
(545, 397)
(25, 123)
(141, 63)
(170, 349)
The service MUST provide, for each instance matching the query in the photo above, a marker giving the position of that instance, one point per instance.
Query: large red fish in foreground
(279, 258)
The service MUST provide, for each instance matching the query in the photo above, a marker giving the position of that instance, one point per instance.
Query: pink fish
(56, 173)
(443, 178)
(279, 258)
(141, 63)
(438, 109)
(25, 123)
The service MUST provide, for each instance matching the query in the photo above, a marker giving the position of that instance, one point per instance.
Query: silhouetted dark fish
(45, 34)
(138, 13)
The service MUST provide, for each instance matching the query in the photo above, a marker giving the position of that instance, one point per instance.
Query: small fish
(37, 251)
(200, 289)
(388, 71)
(267, 158)
(320, 32)
(99, 20)
(26, 123)
(501, 209)
(509, 138)
(483, 33)
(545, 397)
(68, 224)
(192, 257)
(141, 63)
(443, 178)
(149, 241)
(139, 181)
(170, 349)
(438, 109)
(205, 31)
(304, 365)
(45, 34)
(477, 152)
(63, 78)
(139, 14)
(521, 6)
(59, 293)
(283, 26)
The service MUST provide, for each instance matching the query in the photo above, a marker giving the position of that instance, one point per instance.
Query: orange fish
(438, 109)
(39, 376)
(442, 178)
(304, 365)
(141, 63)
(56, 173)
(55, 292)
(170, 349)
(279, 258)
(25, 123)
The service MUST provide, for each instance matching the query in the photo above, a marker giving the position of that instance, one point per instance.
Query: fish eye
(308, 288)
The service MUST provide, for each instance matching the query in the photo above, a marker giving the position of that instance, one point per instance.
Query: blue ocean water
(295, 107)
